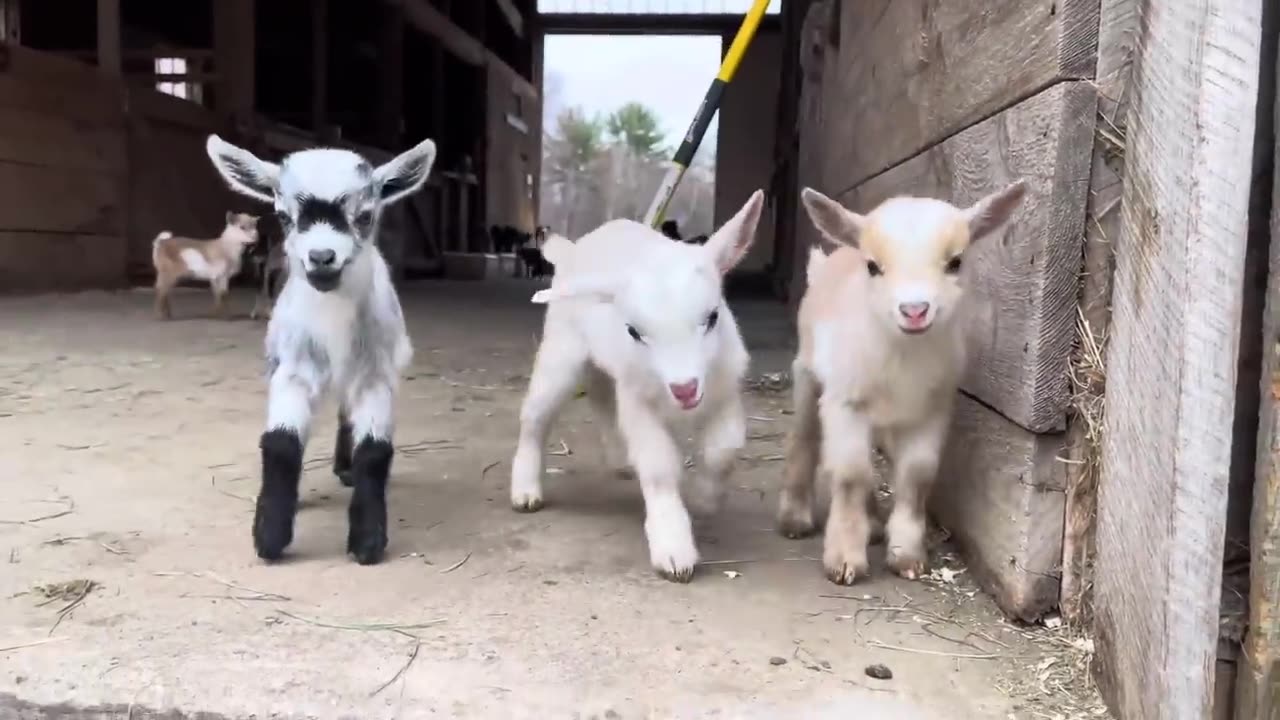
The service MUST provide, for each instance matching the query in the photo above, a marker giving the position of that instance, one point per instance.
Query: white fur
(351, 339)
(625, 275)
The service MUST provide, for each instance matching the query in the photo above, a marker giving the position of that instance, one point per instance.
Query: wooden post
(319, 65)
(109, 57)
(234, 58)
(391, 77)
(1258, 687)
(1171, 364)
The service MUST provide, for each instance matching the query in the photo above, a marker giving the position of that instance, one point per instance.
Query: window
(168, 82)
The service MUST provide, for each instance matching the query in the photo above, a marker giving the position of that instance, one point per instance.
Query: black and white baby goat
(336, 327)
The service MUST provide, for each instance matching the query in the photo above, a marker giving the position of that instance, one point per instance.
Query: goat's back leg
(289, 407)
(846, 460)
(914, 454)
(371, 429)
(557, 368)
(164, 286)
(658, 462)
(795, 507)
(604, 406)
(343, 448)
(219, 286)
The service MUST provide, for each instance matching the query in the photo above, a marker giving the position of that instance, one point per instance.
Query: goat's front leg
(556, 371)
(342, 448)
(219, 287)
(846, 460)
(371, 428)
(795, 502)
(289, 408)
(723, 436)
(915, 452)
(656, 458)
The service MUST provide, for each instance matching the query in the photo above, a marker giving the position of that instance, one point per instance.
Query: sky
(599, 73)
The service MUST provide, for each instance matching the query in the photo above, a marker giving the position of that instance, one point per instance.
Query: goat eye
(364, 220)
(873, 267)
(634, 333)
(283, 218)
(953, 265)
(712, 319)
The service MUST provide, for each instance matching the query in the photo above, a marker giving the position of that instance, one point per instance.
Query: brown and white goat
(217, 260)
(882, 351)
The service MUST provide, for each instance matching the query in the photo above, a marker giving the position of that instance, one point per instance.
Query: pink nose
(914, 311)
(685, 391)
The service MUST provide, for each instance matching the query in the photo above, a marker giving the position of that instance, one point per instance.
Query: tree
(570, 153)
(636, 127)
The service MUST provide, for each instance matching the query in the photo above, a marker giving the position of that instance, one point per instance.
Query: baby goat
(217, 260)
(645, 321)
(337, 326)
(882, 350)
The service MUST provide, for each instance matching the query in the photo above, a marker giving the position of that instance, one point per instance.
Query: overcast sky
(599, 73)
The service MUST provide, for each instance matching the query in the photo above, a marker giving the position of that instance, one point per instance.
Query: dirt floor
(130, 588)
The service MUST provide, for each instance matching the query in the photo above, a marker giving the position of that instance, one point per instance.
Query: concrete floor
(130, 458)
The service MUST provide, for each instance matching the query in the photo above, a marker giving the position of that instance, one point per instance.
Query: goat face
(914, 249)
(328, 201)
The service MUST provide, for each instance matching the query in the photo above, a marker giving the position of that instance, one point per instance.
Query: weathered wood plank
(1024, 284)
(40, 81)
(44, 262)
(1000, 493)
(1117, 32)
(1171, 364)
(234, 31)
(109, 59)
(1258, 688)
(44, 199)
(913, 72)
(39, 138)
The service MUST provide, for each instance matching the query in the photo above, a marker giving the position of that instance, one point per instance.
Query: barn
(1108, 521)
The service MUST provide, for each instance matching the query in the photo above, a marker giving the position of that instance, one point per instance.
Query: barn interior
(132, 584)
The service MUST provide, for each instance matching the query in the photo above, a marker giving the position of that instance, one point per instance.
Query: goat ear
(730, 243)
(595, 287)
(836, 224)
(991, 212)
(243, 171)
(404, 174)
(231, 217)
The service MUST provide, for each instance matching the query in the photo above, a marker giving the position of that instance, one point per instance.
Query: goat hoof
(906, 567)
(344, 477)
(845, 569)
(366, 546)
(526, 503)
(796, 528)
(272, 528)
(676, 575)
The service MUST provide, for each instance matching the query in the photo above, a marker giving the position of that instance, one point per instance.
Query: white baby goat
(643, 318)
(337, 326)
(882, 350)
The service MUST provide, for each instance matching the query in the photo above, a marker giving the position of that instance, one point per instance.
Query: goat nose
(684, 391)
(322, 258)
(913, 310)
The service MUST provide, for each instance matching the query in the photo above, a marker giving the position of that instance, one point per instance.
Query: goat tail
(165, 235)
(556, 249)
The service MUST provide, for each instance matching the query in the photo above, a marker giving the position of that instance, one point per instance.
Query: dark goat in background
(670, 229)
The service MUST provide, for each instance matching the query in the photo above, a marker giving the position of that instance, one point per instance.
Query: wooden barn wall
(172, 184)
(957, 100)
(744, 155)
(511, 154)
(62, 174)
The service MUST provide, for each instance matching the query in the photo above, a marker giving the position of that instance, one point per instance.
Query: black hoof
(345, 477)
(272, 527)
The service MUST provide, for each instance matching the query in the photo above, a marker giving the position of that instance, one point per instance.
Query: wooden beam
(234, 57)
(637, 24)
(1024, 284)
(319, 65)
(512, 15)
(1258, 689)
(426, 18)
(935, 68)
(391, 78)
(1171, 364)
(109, 58)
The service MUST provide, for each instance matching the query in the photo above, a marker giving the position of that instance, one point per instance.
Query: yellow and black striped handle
(706, 111)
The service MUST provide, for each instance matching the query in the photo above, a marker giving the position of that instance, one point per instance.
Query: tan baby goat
(881, 354)
(216, 261)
